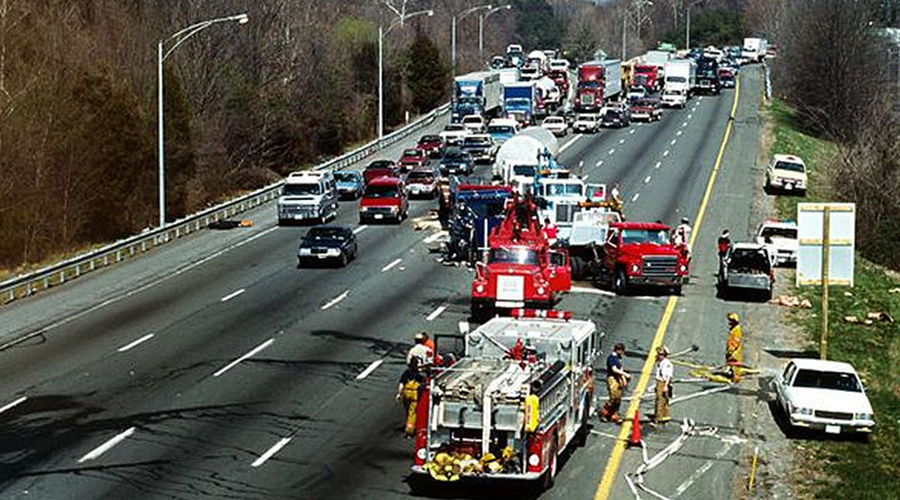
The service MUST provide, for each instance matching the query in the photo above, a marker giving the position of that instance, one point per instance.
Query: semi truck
(648, 76)
(476, 94)
(708, 76)
(518, 398)
(598, 82)
(754, 50)
(520, 102)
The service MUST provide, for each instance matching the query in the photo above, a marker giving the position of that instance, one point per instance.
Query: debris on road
(230, 224)
(792, 301)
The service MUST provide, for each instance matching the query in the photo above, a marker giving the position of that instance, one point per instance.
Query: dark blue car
(331, 243)
(457, 161)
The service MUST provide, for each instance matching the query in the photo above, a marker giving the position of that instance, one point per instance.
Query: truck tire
(577, 266)
(620, 282)
(550, 475)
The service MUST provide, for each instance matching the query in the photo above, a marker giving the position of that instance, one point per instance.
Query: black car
(614, 118)
(329, 243)
(457, 161)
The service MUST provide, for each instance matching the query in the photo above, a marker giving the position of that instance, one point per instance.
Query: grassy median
(842, 468)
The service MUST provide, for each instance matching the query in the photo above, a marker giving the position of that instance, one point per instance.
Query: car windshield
(589, 85)
(513, 255)
(553, 121)
(518, 101)
(301, 189)
(455, 155)
(377, 191)
(612, 113)
(412, 152)
(325, 234)
(500, 129)
(587, 118)
(564, 190)
(837, 381)
(429, 139)
(472, 120)
(344, 177)
(524, 170)
(420, 176)
(470, 100)
(652, 236)
(477, 141)
(454, 127)
(789, 166)
(779, 232)
(676, 79)
(380, 164)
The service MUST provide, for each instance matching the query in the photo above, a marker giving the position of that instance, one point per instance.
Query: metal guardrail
(67, 270)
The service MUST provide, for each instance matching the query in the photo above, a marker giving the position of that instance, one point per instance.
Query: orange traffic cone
(635, 439)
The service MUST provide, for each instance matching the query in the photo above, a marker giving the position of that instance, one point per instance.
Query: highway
(214, 368)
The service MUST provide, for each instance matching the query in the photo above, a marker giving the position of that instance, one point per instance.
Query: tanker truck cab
(519, 397)
(640, 253)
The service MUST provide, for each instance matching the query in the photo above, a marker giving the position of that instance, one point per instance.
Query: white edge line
(391, 265)
(647, 180)
(15, 403)
(271, 452)
(360, 229)
(233, 295)
(571, 141)
(136, 290)
(437, 312)
(103, 448)
(678, 133)
(595, 291)
(369, 369)
(631, 131)
(336, 300)
(137, 342)
(234, 363)
(684, 124)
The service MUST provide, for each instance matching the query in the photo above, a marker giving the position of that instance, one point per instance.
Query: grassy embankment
(847, 469)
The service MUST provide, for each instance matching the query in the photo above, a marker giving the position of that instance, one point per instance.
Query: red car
(412, 158)
(380, 168)
(432, 145)
(385, 199)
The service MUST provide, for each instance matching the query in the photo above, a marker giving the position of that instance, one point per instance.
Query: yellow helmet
(733, 317)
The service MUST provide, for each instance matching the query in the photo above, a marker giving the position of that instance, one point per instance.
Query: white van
(308, 196)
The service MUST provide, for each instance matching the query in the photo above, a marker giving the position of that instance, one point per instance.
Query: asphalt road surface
(214, 368)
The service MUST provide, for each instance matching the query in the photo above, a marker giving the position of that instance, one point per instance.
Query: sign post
(825, 257)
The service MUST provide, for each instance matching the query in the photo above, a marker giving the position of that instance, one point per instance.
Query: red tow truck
(641, 253)
(520, 269)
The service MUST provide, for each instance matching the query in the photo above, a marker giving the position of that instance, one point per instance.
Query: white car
(475, 124)
(454, 133)
(787, 173)
(823, 395)
(556, 125)
(781, 238)
(674, 98)
(587, 123)
(635, 93)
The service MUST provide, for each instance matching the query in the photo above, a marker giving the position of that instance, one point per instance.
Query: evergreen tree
(426, 74)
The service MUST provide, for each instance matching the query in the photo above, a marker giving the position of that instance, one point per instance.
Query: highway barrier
(61, 272)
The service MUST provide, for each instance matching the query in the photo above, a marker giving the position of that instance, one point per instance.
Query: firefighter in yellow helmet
(734, 347)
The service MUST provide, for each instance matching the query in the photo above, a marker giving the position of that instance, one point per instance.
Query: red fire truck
(517, 399)
(520, 269)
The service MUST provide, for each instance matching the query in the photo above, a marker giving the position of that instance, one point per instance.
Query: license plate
(322, 255)
(379, 216)
(832, 429)
(510, 304)
(788, 186)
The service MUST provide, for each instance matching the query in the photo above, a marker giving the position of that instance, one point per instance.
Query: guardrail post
(46, 282)
(77, 270)
(118, 256)
(62, 276)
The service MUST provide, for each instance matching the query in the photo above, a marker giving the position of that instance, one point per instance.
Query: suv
(385, 198)
(786, 173)
(308, 196)
(480, 147)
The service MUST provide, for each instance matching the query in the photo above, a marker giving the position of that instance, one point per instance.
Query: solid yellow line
(615, 458)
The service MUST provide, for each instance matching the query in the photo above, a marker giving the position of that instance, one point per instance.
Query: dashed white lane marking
(595, 291)
(571, 141)
(647, 180)
(700, 98)
(613, 150)
(136, 291)
(635, 197)
(666, 153)
(136, 343)
(658, 164)
(689, 116)
(391, 265)
(232, 295)
(437, 312)
(685, 123)
(369, 369)
(672, 142)
(434, 237)
(678, 133)
(271, 452)
(586, 177)
(103, 448)
(12, 405)
(631, 131)
(249, 355)
(336, 300)
(599, 163)
(621, 141)
(360, 229)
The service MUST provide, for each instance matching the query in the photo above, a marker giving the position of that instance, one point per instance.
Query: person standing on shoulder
(408, 393)
(734, 347)
(664, 373)
(616, 380)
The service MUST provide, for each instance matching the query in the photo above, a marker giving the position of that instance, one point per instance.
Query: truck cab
(308, 197)
(385, 199)
(641, 253)
(647, 76)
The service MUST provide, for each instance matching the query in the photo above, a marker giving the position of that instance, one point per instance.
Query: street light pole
(453, 20)
(401, 18)
(481, 19)
(162, 54)
(624, 34)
